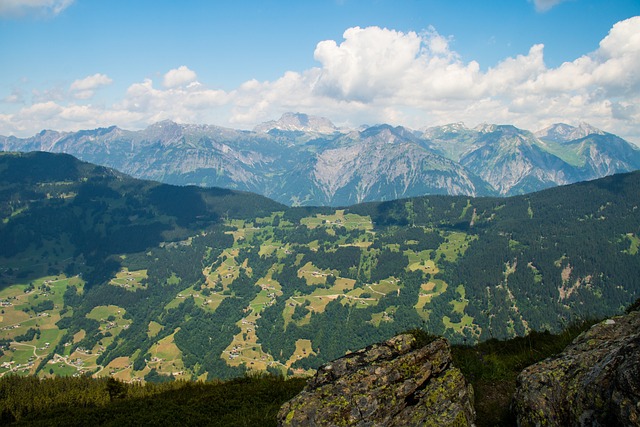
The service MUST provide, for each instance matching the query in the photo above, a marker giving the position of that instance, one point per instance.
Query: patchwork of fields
(36, 353)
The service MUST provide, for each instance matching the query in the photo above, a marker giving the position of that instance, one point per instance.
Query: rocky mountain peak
(298, 122)
(485, 128)
(49, 137)
(451, 128)
(562, 132)
(454, 127)
(165, 130)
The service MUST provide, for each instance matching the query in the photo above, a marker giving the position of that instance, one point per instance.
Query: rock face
(594, 382)
(387, 384)
(306, 160)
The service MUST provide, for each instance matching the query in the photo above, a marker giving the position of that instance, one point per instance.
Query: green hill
(106, 275)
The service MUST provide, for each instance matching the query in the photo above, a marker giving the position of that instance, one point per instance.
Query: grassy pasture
(269, 246)
(245, 349)
(102, 312)
(79, 336)
(349, 221)
(313, 275)
(466, 322)
(261, 300)
(460, 304)
(228, 270)
(154, 329)
(634, 244)
(384, 316)
(166, 357)
(209, 303)
(455, 244)
(303, 349)
(421, 261)
(120, 368)
(320, 297)
(427, 292)
(130, 280)
(59, 369)
(18, 316)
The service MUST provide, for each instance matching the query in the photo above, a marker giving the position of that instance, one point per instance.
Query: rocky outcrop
(387, 384)
(593, 382)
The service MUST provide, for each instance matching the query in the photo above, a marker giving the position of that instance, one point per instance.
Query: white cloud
(610, 71)
(544, 5)
(367, 63)
(16, 97)
(379, 75)
(85, 88)
(91, 82)
(14, 8)
(181, 76)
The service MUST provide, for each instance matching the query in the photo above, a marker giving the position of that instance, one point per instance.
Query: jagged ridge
(307, 160)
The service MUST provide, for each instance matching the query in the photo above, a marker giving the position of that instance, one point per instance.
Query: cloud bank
(377, 75)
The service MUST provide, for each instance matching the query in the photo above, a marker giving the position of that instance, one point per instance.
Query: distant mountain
(561, 132)
(306, 160)
(298, 122)
(515, 161)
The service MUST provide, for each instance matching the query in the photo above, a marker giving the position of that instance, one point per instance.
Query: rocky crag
(593, 382)
(395, 383)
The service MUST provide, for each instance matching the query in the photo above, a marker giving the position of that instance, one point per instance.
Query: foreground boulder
(595, 381)
(387, 384)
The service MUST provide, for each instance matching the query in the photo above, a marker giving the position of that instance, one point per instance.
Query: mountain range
(306, 160)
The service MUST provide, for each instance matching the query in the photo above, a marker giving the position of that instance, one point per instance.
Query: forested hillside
(107, 275)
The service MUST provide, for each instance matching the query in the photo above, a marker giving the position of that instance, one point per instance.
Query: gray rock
(595, 381)
(387, 384)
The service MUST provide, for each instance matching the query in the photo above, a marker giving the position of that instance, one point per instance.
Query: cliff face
(387, 384)
(593, 382)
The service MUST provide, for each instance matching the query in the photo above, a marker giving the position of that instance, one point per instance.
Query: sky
(81, 64)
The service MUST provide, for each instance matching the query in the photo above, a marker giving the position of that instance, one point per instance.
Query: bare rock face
(594, 382)
(387, 384)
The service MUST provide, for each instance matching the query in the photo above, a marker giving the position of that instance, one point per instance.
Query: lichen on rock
(595, 381)
(387, 384)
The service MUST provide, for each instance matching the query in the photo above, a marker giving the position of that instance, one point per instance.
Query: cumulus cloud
(180, 76)
(381, 75)
(15, 8)
(85, 88)
(376, 75)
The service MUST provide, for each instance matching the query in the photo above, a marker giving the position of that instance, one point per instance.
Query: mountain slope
(55, 204)
(512, 161)
(594, 152)
(379, 163)
(106, 274)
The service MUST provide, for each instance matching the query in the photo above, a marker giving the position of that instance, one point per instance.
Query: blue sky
(78, 64)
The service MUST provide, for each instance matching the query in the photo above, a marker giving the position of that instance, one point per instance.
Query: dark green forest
(102, 274)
